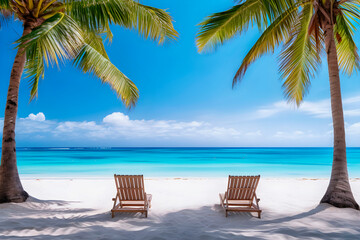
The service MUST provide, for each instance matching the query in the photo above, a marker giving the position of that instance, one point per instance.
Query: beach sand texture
(183, 208)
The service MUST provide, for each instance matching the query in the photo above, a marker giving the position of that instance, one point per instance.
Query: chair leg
(226, 213)
(112, 214)
(259, 214)
(146, 214)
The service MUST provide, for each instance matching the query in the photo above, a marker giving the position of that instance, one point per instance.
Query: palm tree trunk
(339, 192)
(11, 189)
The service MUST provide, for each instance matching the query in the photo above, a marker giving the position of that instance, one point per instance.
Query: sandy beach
(182, 208)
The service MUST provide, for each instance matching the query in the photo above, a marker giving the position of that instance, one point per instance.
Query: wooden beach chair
(130, 195)
(240, 195)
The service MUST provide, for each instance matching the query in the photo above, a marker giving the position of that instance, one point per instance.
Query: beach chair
(240, 195)
(130, 195)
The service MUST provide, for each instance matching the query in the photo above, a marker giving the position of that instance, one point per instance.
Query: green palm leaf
(34, 69)
(92, 61)
(351, 8)
(299, 60)
(222, 26)
(96, 41)
(154, 23)
(5, 16)
(346, 47)
(4, 4)
(59, 38)
(273, 36)
(98, 14)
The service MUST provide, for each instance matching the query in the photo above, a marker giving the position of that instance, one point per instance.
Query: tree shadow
(53, 219)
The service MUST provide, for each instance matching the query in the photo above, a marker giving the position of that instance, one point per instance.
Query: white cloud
(350, 100)
(299, 135)
(118, 126)
(37, 117)
(69, 127)
(122, 124)
(117, 119)
(119, 123)
(269, 111)
(117, 129)
(254, 134)
(353, 129)
(317, 109)
(31, 124)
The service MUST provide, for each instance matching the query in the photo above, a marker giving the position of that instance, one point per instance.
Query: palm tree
(305, 29)
(55, 31)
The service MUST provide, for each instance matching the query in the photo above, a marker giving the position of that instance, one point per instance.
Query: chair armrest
(257, 200)
(148, 198)
(116, 197)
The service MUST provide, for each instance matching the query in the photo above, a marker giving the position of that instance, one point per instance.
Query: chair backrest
(242, 187)
(130, 187)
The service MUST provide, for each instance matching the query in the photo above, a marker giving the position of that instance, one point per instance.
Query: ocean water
(181, 162)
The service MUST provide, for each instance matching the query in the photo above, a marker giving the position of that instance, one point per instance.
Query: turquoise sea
(181, 162)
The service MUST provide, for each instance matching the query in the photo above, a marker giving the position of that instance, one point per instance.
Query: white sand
(181, 209)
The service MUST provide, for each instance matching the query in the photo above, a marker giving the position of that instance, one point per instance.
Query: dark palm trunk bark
(11, 189)
(339, 192)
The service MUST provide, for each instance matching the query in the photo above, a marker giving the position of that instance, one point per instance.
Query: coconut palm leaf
(351, 8)
(272, 37)
(151, 22)
(107, 31)
(154, 23)
(59, 38)
(92, 61)
(346, 47)
(34, 69)
(5, 16)
(4, 4)
(222, 26)
(96, 14)
(299, 60)
(95, 40)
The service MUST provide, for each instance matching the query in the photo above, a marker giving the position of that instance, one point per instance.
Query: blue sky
(186, 98)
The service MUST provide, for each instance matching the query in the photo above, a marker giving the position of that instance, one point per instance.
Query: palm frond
(96, 41)
(154, 23)
(59, 38)
(299, 60)
(34, 68)
(96, 15)
(107, 31)
(273, 36)
(5, 16)
(4, 4)
(222, 26)
(346, 48)
(351, 9)
(92, 61)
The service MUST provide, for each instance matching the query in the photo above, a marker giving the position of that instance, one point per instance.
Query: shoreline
(175, 178)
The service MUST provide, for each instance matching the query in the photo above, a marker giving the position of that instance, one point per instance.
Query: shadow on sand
(38, 219)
